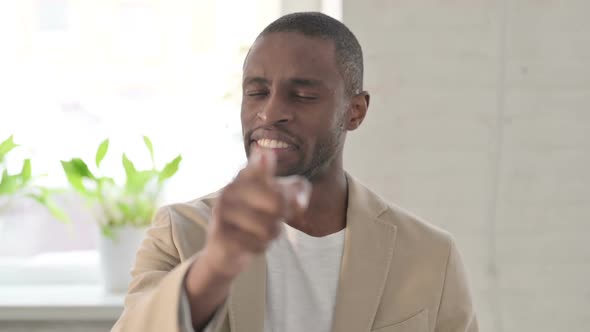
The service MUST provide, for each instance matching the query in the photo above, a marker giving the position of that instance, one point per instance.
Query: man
(265, 254)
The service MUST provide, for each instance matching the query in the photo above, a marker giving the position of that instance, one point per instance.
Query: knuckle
(275, 205)
(273, 211)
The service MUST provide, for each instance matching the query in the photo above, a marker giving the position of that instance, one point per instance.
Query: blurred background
(479, 123)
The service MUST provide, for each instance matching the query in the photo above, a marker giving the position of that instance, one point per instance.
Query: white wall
(480, 123)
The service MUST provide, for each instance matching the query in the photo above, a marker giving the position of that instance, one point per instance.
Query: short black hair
(349, 55)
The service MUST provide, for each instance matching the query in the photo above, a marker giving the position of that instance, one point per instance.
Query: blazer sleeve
(456, 312)
(154, 295)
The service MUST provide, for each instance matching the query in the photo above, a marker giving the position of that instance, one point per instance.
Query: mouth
(274, 144)
(273, 140)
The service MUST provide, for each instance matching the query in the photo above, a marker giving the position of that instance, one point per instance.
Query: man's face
(294, 102)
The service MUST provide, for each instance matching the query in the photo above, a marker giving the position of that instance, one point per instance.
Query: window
(76, 72)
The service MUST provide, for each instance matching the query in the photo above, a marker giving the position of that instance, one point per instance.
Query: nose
(275, 110)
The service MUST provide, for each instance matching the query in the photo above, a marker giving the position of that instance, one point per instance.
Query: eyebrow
(255, 80)
(297, 81)
(306, 82)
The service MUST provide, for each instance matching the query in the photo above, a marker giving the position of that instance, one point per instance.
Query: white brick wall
(480, 122)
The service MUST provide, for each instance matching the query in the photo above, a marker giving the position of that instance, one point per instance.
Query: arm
(205, 294)
(153, 299)
(455, 312)
(245, 219)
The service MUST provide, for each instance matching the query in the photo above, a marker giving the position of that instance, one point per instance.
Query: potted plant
(123, 210)
(14, 187)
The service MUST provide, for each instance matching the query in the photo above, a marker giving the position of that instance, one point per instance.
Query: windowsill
(52, 268)
(59, 303)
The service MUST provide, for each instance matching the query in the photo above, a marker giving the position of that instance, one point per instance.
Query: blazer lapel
(247, 299)
(368, 249)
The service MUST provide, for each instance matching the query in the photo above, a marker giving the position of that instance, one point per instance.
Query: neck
(326, 213)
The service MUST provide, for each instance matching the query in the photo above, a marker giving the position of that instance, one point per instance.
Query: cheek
(247, 117)
(318, 130)
(243, 110)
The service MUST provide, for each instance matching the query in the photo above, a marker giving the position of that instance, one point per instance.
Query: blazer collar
(368, 249)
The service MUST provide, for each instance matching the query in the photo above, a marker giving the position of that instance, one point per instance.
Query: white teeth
(272, 144)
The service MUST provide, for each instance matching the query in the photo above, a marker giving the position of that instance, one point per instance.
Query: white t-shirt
(302, 280)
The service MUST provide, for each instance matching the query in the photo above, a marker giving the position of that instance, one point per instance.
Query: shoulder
(412, 231)
(187, 223)
(195, 211)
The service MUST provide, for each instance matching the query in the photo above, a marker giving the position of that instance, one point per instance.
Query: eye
(256, 93)
(305, 97)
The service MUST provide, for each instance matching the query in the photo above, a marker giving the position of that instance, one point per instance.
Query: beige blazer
(398, 273)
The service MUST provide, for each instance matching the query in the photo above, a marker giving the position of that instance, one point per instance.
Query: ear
(359, 105)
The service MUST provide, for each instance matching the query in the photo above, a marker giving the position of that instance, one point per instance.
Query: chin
(284, 172)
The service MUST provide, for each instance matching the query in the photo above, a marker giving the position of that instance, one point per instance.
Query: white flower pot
(117, 256)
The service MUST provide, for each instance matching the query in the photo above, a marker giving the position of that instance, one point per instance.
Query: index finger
(262, 161)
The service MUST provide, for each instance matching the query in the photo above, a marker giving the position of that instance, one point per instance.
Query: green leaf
(107, 232)
(102, 151)
(26, 171)
(73, 177)
(145, 212)
(80, 167)
(45, 199)
(125, 209)
(8, 184)
(106, 180)
(170, 169)
(56, 212)
(129, 167)
(6, 146)
(136, 180)
(150, 147)
(76, 170)
(137, 183)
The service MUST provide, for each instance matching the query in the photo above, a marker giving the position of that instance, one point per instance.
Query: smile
(272, 144)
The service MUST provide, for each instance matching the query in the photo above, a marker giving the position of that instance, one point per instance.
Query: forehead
(284, 55)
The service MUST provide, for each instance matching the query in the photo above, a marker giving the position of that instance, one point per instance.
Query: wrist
(215, 266)
(205, 289)
(203, 277)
